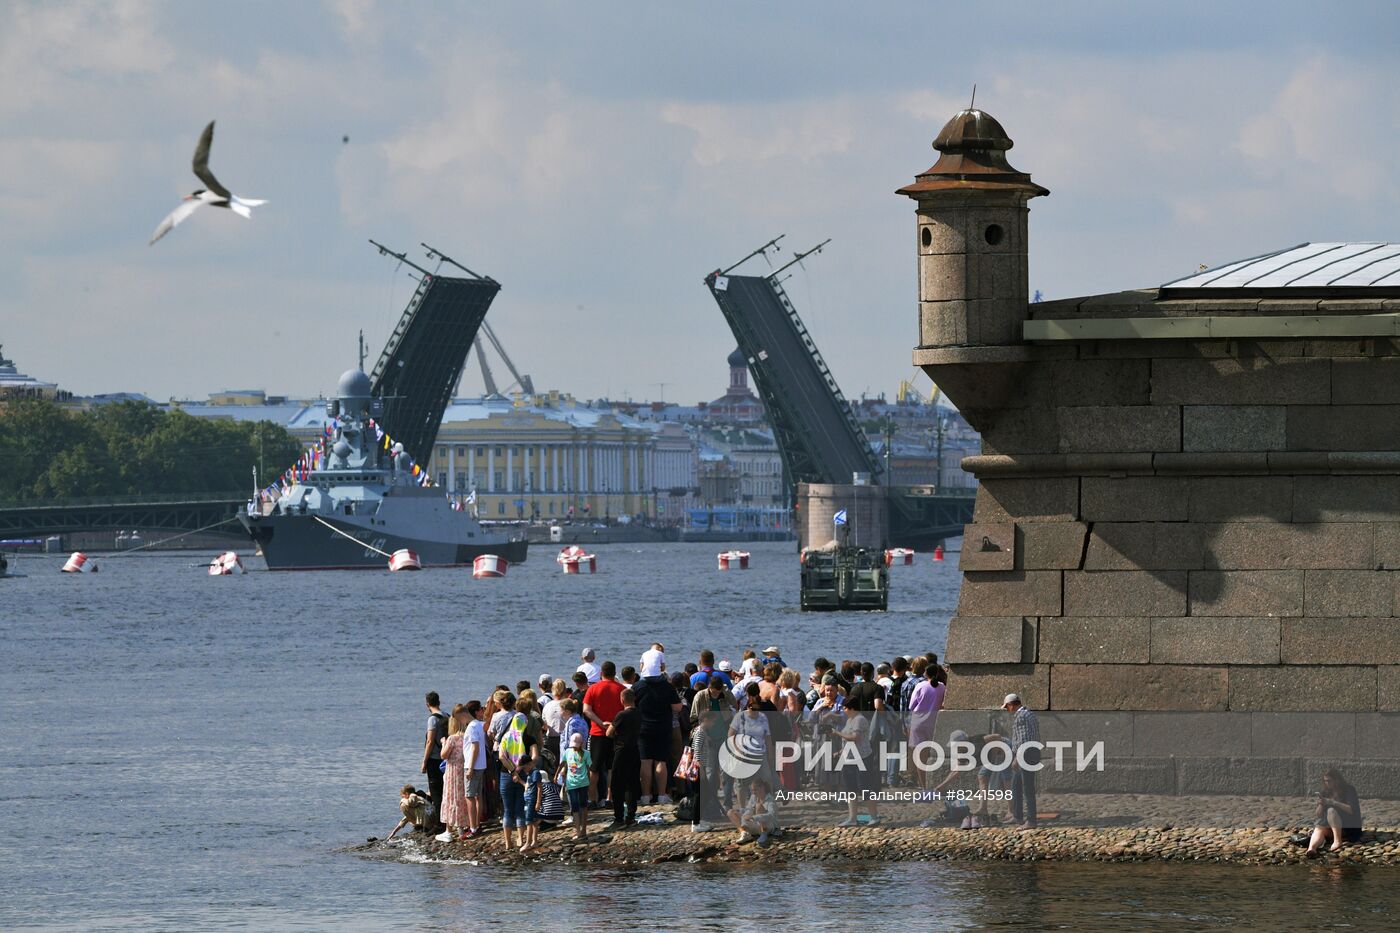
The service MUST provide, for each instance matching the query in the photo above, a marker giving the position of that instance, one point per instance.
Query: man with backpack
(432, 754)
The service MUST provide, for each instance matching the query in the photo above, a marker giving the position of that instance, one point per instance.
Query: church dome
(737, 359)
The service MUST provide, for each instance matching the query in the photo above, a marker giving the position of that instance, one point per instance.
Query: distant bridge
(179, 512)
(817, 433)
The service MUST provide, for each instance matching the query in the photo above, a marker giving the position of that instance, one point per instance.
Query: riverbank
(1099, 828)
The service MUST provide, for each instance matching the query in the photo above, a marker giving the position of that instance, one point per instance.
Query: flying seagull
(215, 195)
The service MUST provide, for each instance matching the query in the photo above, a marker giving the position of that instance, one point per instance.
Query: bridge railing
(156, 499)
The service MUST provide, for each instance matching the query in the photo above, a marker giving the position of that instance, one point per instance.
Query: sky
(600, 159)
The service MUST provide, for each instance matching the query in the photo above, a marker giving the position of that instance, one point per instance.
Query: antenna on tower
(362, 350)
(973, 103)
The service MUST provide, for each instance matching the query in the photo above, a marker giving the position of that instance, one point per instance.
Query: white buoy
(404, 559)
(78, 563)
(730, 560)
(573, 559)
(899, 555)
(489, 565)
(226, 564)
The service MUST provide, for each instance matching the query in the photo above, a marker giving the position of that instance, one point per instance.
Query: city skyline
(599, 166)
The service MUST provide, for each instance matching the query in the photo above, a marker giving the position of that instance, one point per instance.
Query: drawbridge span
(422, 361)
(818, 436)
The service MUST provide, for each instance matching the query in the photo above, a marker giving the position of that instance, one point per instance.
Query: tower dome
(737, 359)
(972, 147)
(354, 384)
(972, 129)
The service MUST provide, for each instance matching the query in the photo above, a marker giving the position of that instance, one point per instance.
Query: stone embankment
(1122, 828)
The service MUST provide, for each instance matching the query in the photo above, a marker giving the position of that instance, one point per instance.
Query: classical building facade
(554, 459)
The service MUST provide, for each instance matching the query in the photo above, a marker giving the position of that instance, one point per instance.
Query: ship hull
(302, 542)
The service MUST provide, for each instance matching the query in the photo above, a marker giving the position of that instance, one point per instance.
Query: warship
(363, 503)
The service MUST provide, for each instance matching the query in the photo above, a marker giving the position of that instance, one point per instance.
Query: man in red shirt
(601, 702)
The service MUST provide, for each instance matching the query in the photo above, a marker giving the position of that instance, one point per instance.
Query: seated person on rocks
(957, 808)
(1338, 815)
(416, 807)
(759, 817)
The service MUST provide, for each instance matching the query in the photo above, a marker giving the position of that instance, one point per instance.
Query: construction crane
(486, 377)
(908, 395)
(522, 380)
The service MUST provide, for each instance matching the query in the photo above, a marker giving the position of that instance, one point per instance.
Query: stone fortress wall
(1184, 547)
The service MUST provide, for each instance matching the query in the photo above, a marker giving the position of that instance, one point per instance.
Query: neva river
(185, 752)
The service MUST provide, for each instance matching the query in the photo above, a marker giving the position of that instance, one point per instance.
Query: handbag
(688, 768)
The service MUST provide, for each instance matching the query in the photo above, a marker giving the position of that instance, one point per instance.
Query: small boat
(899, 555)
(489, 565)
(573, 558)
(226, 564)
(734, 559)
(78, 563)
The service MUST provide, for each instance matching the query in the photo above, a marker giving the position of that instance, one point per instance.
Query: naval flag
(839, 518)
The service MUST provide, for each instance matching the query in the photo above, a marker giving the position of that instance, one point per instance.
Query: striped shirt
(1024, 727)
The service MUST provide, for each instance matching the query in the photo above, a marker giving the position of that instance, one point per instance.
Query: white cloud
(529, 155)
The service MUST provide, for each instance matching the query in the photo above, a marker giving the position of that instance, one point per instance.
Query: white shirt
(554, 715)
(476, 732)
(742, 687)
(593, 671)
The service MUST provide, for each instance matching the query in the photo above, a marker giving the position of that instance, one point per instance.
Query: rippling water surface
(179, 751)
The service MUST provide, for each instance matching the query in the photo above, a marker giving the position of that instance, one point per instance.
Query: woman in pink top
(454, 791)
(924, 704)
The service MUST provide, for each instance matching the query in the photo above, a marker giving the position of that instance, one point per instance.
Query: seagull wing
(201, 163)
(176, 216)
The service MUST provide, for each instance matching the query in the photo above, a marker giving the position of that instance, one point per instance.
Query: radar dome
(354, 384)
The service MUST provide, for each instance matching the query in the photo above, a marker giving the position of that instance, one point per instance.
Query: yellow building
(540, 460)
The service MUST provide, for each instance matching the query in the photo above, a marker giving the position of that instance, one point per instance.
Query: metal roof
(1326, 268)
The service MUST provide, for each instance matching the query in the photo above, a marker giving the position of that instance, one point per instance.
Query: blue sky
(599, 159)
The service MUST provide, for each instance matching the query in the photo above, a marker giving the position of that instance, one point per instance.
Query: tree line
(49, 451)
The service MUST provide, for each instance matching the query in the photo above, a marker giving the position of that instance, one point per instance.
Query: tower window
(992, 234)
(927, 236)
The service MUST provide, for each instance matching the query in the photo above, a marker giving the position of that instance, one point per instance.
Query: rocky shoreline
(1226, 831)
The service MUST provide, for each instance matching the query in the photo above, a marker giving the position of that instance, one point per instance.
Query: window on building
(501, 507)
(481, 451)
(499, 476)
(498, 451)
(551, 508)
(461, 451)
(461, 481)
(442, 479)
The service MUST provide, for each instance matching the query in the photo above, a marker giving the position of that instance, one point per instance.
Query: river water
(185, 752)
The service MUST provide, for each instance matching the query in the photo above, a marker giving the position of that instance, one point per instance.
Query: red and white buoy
(404, 559)
(732, 559)
(573, 559)
(899, 555)
(938, 553)
(78, 563)
(489, 565)
(226, 564)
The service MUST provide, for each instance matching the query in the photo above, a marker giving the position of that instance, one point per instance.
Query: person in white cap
(1025, 730)
(658, 703)
(589, 668)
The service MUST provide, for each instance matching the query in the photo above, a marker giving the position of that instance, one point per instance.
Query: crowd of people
(547, 753)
